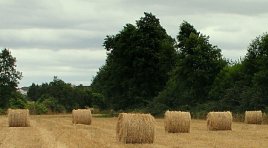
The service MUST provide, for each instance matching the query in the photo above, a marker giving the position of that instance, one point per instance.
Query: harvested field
(57, 131)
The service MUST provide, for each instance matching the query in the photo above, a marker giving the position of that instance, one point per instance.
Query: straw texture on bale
(18, 118)
(135, 128)
(219, 120)
(82, 116)
(253, 117)
(177, 122)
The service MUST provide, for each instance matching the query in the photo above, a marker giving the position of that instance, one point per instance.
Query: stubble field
(57, 131)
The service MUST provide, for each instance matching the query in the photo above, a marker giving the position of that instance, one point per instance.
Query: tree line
(63, 97)
(53, 97)
(148, 70)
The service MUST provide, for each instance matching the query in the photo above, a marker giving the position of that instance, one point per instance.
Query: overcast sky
(64, 37)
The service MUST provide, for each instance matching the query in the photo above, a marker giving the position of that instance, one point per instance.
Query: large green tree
(256, 70)
(137, 67)
(9, 77)
(243, 85)
(230, 88)
(198, 64)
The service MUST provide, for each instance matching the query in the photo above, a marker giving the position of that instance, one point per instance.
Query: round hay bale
(135, 128)
(219, 120)
(119, 124)
(82, 116)
(264, 118)
(253, 117)
(177, 122)
(18, 118)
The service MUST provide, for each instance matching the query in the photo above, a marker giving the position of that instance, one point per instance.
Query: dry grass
(57, 131)
(18, 118)
(253, 117)
(82, 116)
(177, 122)
(135, 128)
(219, 121)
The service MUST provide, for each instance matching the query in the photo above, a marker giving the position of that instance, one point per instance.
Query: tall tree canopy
(243, 86)
(256, 70)
(138, 64)
(9, 76)
(198, 64)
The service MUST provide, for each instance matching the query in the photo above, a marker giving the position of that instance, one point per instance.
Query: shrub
(36, 108)
(156, 108)
(17, 101)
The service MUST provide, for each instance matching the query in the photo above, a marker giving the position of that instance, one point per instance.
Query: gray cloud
(197, 7)
(64, 37)
(73, 64)
(50, 38)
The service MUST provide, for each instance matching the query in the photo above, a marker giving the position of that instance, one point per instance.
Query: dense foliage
(59, 96)
(138, 64)
(243, 85)
(197, 66)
